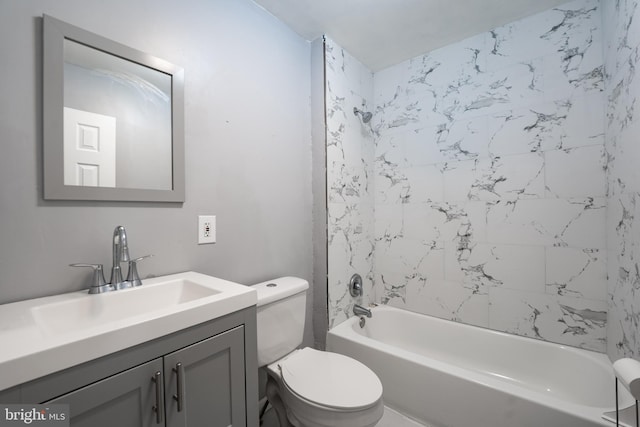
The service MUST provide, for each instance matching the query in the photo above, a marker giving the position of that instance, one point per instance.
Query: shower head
(365, 115)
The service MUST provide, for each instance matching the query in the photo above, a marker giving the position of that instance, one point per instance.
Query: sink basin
(50, 334)
(91, 310)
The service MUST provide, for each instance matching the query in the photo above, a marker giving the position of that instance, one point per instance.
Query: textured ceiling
(381, 33)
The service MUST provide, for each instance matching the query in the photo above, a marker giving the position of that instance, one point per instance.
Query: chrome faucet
(120, 252)
(359, 310)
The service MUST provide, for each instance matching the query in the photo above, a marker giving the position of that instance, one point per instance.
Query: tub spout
(359, 310)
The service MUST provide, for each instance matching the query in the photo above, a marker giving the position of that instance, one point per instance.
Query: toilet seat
(330, 380)
(323, 389)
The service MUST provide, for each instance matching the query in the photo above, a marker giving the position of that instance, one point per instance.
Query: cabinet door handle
(179, 396)
(159, 406)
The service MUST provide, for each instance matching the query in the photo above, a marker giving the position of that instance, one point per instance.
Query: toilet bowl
(319, 389)
(308, 387)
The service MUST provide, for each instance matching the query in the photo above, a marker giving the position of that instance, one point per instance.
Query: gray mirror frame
(54, 34)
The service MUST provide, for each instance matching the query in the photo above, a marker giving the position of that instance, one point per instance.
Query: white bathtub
(445, 373)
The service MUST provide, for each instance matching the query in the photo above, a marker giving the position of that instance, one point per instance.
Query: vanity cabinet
(123, 400)
(205, 375)
(202, 382)
(205, 382)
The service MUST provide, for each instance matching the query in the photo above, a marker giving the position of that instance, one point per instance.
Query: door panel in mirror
(89, 149)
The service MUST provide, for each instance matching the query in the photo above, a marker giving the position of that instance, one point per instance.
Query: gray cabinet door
(209, 380)
(124, 400)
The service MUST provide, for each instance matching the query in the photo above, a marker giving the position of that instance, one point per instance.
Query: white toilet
(307, 387)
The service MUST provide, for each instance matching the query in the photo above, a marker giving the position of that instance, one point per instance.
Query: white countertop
(34, 345)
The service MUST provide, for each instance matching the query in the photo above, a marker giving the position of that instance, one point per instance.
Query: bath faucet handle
(98, 284)
(355, 285)
(132, 276)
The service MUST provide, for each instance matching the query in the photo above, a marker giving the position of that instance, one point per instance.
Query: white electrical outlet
(206, 229)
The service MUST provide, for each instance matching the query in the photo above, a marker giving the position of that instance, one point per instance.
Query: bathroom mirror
(113, 120)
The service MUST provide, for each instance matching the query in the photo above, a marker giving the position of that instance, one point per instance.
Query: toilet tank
(280, 313)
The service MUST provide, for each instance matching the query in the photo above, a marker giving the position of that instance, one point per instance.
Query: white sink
(91, 310)
(49, 334)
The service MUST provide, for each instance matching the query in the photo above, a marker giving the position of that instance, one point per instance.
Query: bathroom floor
(390, 418)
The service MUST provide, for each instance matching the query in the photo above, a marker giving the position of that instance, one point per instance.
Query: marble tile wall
(621, 27)
(483, 191)
(350, 164)
(489, 183)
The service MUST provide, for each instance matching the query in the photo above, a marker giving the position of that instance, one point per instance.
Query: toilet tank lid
(280, 288)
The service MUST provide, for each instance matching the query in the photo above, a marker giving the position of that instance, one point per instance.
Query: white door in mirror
(89, 149)
(206, 229)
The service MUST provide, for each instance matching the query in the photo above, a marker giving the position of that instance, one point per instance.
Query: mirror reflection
(117, 121)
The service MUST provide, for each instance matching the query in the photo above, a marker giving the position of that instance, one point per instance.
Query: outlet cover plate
(206, 229)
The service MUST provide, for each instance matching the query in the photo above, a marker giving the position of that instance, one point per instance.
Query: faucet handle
(132, 276)
(98, 284)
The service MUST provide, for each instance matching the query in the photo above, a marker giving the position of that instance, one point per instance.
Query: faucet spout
(359, 310)
(120, 252)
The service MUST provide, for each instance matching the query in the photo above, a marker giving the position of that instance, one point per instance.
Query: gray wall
(319, 186)
(248, 148)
